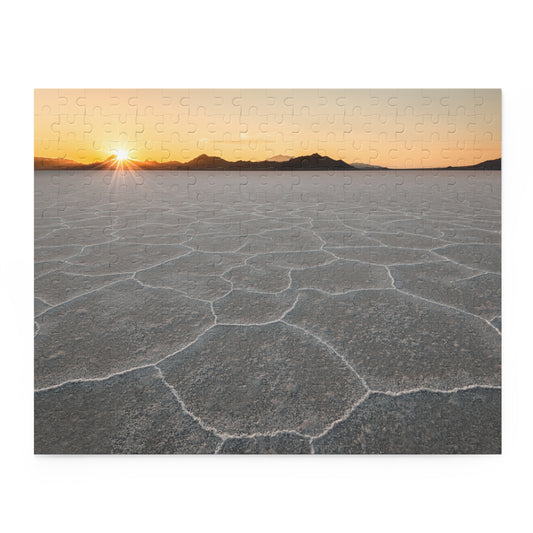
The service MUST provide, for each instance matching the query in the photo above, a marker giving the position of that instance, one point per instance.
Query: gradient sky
(401, 128)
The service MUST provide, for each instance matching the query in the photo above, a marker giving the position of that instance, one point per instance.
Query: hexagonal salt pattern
(223, 313)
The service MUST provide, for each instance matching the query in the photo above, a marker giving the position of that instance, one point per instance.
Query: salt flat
(294, 312)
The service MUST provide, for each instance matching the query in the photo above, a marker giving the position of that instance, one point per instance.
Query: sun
(122, 155)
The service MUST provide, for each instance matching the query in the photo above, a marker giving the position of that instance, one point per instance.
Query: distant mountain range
(206, 162)
(491, 164)
(203, 162)
(364, 166)
(46, 163)
(279, 158)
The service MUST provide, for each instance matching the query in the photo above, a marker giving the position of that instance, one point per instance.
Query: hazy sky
(394, 128)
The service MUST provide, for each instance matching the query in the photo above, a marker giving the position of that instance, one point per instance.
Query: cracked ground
(258, 312)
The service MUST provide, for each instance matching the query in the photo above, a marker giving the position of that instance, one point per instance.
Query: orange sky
(393, 128)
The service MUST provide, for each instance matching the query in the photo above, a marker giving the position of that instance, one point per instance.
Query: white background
(392, 44)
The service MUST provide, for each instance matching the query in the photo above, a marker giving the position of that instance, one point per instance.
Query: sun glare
(122, 155)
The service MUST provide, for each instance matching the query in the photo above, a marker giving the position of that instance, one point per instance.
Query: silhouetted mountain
(46, 163)
(148, 164)
(314, 162)
(279, 158)
(364, 166)
(206, 162)
(202, 162)
(491, 164)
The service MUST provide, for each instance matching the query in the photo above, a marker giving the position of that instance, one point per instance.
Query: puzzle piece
(263, 269)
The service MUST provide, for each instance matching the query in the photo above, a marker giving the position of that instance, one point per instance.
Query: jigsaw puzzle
(267, 271)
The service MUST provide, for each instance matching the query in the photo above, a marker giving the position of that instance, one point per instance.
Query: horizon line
(371, 166)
